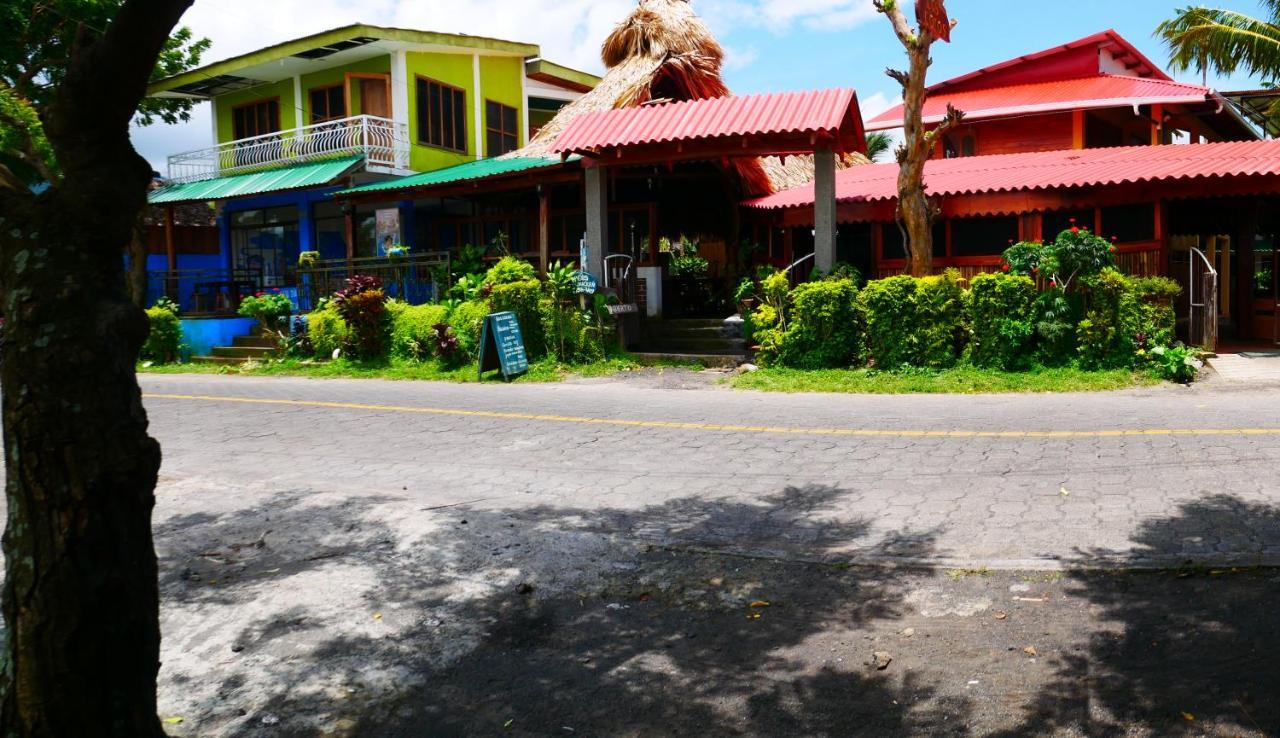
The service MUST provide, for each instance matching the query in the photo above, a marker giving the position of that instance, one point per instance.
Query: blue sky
(773, 44)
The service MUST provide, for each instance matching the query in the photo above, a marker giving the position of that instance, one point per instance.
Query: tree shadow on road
(554, 620)
(1183, 651)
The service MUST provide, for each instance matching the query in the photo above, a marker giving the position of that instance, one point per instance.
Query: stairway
(243, 348)
(712, 342)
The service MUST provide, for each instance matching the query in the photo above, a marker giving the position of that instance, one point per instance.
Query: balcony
(384, 143)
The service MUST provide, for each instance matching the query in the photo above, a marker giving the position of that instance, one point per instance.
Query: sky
(772, 45)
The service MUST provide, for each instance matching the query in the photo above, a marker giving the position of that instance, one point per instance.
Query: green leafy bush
(1074, 254)
(271, 309)
(890, 308)
(466, 321)
(1001, 313)
(826, 329)
(327, 331)
(1156, 321)
(1177, 363)
(1107, 332)
(510, 269)
(1057, 313)
(941, 331)
(413, 334)
(164, 339)
(522, 298)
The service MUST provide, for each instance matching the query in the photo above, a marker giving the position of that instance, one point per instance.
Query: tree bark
(914, 210)
(81, 600)
(138, 261)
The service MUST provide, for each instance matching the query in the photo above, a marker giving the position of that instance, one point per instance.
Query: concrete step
(254, 340)
(243, 352)
(228, 360)
(695, 344)
(687, 323)
(713, 360)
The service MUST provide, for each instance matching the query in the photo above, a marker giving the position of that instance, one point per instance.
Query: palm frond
(1223, 40)
(879, 143)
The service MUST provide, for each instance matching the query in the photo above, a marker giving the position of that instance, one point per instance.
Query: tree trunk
(913, 204)
(81, 601)
(138, 261)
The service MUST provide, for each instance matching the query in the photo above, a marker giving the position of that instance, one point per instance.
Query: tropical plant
(363, 305)
(1177, 363)
(510, 269)
(1226, 41)
(879, 143)
(164, 340)
(271, 310)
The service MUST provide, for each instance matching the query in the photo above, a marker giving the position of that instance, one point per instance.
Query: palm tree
(1226, 41)
(879, 142)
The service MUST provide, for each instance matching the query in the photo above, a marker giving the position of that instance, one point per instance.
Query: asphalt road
(359, 558)
(1012, 481)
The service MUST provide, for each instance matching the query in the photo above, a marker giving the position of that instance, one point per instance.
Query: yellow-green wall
(500, 82)
(451, 69)
(330, 77)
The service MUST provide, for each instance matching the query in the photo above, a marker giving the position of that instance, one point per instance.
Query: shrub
(1074, 254)
(1001, 315)
(941, 333)
(826, 327)
(1156, 321)
(444, 344)
(1109, 326)
(271, 309)
(890, 310)
(1177, 363)
(510, 269)
(363, 306)
(467, 320)
(522, 298)
(164, 339)
(571, 337)
(413, 334)
(1057, 313)
(327, 331)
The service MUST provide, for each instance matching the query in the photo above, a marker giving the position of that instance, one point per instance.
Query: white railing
(384, 143)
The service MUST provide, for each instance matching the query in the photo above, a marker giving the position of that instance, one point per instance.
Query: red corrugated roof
(823, 112)
(1102, 91)
(1048, 170)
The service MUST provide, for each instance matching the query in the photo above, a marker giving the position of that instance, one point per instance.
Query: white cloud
(876, 103)
(736, 58)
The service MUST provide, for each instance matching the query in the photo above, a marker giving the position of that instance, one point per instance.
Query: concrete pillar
(306, 225)
(824, 209)
(408, 224)
(597, 190)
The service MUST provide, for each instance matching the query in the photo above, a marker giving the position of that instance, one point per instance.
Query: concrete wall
(200, 335)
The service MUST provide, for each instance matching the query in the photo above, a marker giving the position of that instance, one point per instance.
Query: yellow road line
(865, 432)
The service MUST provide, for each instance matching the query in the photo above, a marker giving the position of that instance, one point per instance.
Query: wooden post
(1157, 125)
(349, 215)
(171, 255)
(824, 209)
(544, 228)
(597, 222)
(1077, 129)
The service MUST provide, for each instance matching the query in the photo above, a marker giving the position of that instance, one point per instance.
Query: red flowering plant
(363, 305)
(271, 309)
(1074, 254)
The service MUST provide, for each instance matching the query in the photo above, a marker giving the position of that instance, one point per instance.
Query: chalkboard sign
(502, 346)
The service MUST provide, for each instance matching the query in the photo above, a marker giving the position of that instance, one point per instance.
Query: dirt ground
(315, 614)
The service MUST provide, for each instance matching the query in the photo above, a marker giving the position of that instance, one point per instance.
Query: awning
(296, 177)
(480, 169)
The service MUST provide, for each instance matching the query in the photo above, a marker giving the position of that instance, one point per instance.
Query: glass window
(1264, 268)
(442, 115)
(982, 236)
(255, 119)
(500, 127)
(328, 103)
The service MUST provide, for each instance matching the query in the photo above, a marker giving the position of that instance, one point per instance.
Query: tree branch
(891, 9)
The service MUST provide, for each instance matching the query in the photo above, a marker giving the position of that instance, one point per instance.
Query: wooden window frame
(466, 149)
(502, 132)
(252, 104)
(311, 112)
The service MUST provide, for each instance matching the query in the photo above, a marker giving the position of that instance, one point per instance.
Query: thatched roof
(663, 50)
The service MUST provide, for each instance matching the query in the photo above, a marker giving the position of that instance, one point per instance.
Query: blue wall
(200, 335)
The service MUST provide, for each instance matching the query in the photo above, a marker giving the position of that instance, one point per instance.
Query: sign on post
(502, 346)
(584, 283)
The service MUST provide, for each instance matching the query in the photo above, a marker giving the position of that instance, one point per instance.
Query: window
(982, 236)
(1054, 223)
(327, 103)
(500, 126)
(255, 119)
(1128, 223)
(442, 115)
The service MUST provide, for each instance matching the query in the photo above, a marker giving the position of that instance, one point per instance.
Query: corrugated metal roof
(479, 169)
(822, 111)
(1049, 170)
(240, 185)
(1105, 90)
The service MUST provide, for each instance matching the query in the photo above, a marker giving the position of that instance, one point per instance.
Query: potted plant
(308, 259)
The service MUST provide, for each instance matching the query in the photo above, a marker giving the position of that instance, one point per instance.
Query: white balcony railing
(383, 142)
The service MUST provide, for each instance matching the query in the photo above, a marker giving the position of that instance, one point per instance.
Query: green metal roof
(272, 180)
(479, 169)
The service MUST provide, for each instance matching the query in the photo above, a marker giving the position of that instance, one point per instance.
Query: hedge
(412, 334)
(1001, 313)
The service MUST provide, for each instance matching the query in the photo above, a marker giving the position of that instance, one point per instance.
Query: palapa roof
(663, 50)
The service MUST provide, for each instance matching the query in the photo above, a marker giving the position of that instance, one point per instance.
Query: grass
(540, 371)
(958, 380)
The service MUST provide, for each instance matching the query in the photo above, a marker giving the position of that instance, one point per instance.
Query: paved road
(1021, 481)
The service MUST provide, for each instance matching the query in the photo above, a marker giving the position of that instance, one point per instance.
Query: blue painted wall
(200, 335)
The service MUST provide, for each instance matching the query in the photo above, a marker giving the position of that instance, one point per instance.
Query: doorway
(1266, 288)
(375, 99)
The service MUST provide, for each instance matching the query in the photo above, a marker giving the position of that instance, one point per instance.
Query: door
(1266, 288)
(373, 97)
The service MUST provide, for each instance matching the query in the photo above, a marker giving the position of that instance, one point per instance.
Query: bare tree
(915, 213)
(81, 599)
